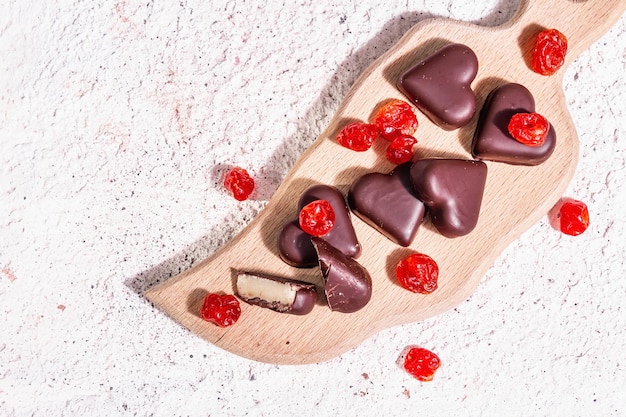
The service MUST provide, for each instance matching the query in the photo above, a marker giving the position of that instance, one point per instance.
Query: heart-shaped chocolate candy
(295, 246)
(388, 203)
(440, 86)
(492, 140)
(452, 190)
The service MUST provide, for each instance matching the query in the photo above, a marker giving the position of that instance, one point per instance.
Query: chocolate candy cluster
(448, 191)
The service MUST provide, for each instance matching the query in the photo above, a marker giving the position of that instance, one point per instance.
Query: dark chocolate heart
(492, 140)
(440, 86)
(452, 190)
(388, 203)
(295, 246)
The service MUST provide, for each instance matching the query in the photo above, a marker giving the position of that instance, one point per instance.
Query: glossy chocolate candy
(452, 190)
(388, 203)
(295, 246)
(492, 140)
(440, 86)
(347, 284)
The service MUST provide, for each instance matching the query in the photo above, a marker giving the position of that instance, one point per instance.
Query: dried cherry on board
(400, 150)
(395, 118)
(549, 53)
(358, 136)
(222, 310)
(418, 273)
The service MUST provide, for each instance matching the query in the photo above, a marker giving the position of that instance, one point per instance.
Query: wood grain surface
(515, 198)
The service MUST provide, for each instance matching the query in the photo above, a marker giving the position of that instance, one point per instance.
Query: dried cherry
(239, 183)
(220, 309)
(395, 118)
(549, 52)
(529, 128)
(421, 363)
(358, 136)
(570, 216)
(400, 150)
(418, 273)
(317, 218)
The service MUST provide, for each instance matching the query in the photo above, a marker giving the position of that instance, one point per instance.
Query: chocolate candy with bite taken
(347, 284)
(280, 294)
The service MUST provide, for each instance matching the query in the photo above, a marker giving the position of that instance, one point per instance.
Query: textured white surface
(117, 121)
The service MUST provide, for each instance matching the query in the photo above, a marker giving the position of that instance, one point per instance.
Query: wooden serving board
(515, 197)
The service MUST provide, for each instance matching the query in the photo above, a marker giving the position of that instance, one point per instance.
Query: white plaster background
(117, 120)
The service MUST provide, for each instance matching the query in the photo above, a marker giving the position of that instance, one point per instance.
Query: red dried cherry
(395, 118)
(239, 183)
(400, 150)
(220, 309)
(421, 363)
(418, 273)
(571, 216)
(549, 52)
(529, 128)
(358, 136)
(317, 218)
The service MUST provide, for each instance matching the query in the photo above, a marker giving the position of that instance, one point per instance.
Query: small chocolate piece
(452, 190)
(492, 140)
(276, 293)
(440, 86)
(388, 203)
(347, 284)
(295, 246)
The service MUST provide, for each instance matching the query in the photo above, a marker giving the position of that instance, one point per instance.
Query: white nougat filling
(253, 286)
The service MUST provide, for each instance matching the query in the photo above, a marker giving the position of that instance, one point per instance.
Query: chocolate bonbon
(492, 140)
(280, 294)
(388, 203)
(440, 86)
(452, 190)
(295, 246)
(347, 284)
